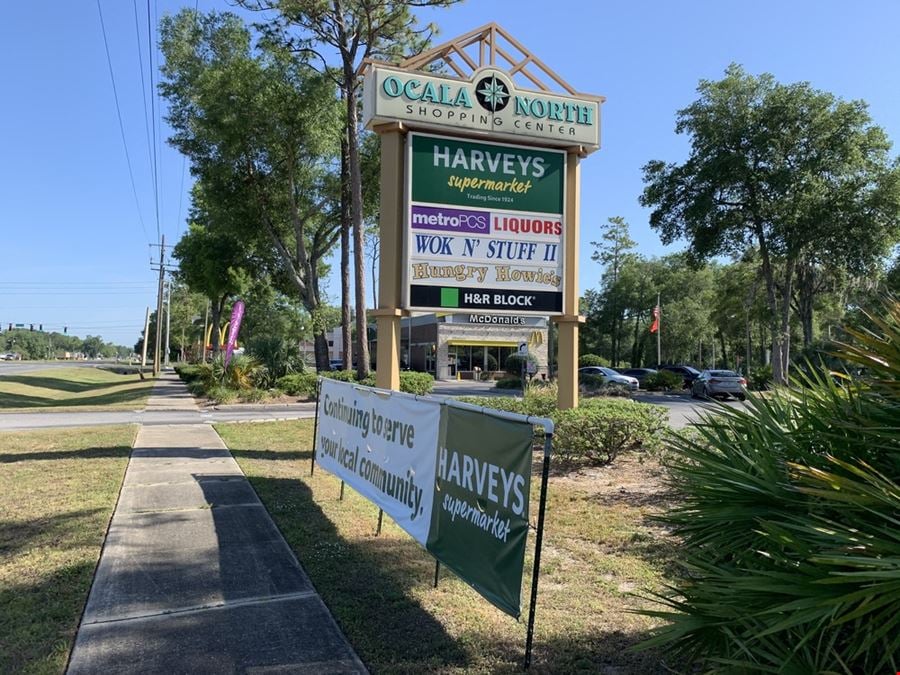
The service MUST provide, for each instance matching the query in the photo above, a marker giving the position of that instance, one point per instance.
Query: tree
(612, 252)
(212, 262)
(187, 309)
(356, 31)
(793, 171)
(261, 129)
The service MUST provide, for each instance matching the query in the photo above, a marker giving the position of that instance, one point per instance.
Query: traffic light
(41, 327)
(65, 329)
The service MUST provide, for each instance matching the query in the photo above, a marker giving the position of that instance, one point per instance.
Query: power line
(153, 119)
(184, 157)
(121, 125)
(137, 34)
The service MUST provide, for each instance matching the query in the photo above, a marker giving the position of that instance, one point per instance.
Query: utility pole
(163, 268)
(168, 318)
(157, 346)
(146, 338)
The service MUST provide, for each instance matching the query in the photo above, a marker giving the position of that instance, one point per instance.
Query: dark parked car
(724, 383)
(640, 374)
(687, 373)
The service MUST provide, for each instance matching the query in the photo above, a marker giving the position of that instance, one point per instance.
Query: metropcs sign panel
(488, 103)
(485, 226)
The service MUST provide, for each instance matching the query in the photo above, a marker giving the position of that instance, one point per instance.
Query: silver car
(610, 376)
(712, 383)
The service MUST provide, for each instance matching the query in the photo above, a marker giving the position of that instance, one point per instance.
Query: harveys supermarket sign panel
(488, 103)
(484, 227)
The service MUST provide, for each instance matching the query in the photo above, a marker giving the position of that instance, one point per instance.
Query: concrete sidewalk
(194, 576)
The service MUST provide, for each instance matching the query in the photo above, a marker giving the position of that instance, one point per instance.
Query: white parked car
(610, 376)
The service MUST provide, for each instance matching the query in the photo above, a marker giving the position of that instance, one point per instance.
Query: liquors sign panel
(484, 226)
(487, 103)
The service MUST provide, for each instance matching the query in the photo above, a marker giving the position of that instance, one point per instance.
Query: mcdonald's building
(469, 346)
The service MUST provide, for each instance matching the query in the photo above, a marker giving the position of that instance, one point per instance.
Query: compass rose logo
(492, 93)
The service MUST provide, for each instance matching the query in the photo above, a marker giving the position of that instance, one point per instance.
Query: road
(57, 420)
(682, 410)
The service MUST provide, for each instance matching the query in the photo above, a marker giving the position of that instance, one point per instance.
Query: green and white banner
(457, 481)
(383, 447)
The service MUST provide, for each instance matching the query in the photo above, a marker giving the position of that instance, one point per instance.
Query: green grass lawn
(58, 490)
(599, 549)
(73, 389)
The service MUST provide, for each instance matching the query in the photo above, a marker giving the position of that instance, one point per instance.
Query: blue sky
(74, 245)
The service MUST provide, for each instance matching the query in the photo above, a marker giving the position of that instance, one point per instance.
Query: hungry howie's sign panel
(457, 481)
(485, 226)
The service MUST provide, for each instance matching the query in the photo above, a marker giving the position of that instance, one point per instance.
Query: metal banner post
(538, 542)
(312, 466)
(380, 518)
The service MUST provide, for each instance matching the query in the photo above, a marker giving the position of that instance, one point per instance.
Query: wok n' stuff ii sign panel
(485, 226)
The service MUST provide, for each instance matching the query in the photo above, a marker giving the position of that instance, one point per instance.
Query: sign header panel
(488, 103)
(485, 226)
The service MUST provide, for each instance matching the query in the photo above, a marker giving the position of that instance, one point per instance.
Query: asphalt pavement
(683, 410)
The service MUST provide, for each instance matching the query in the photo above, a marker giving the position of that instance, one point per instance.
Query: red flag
(655, 325)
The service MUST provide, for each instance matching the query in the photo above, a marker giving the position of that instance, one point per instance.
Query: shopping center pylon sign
(480, 185)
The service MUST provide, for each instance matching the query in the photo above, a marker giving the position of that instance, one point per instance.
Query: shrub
(594, 433)
(590, 382)
(298, 384)
(787, 521)
(597, 432)
(663, 380)
(592, 360)
(304, 384)
(416, 383)
(340, 375)
(513, 363)
(760, 378)
(509, 383)
(279, 356)
(253, 395)
(220, 394)
(189, 372)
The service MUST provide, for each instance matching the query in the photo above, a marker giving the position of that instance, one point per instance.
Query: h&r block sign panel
(485, 226)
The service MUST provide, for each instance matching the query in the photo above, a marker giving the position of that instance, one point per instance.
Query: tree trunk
(362, 338)
(346, 333)
(786, 318)
(779, 375)
(805, 297)
(320, 346)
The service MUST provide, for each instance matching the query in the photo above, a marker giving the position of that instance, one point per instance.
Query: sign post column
(567, 340)
(390, 264)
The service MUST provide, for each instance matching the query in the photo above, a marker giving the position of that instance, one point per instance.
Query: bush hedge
(304, 384)
(592, 360)
(594, 433)
(663, 380)
(514, 362)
